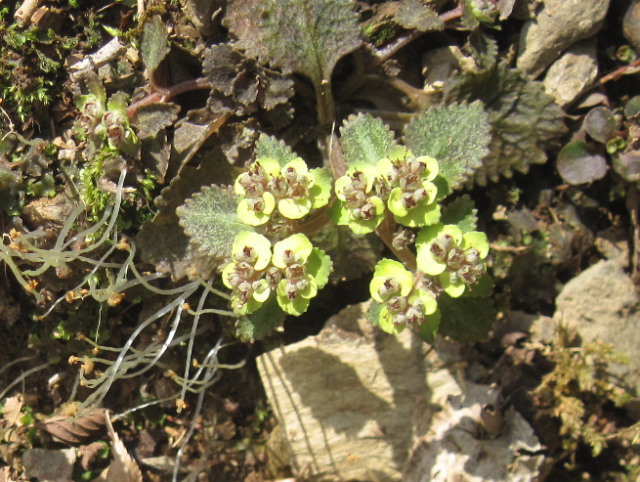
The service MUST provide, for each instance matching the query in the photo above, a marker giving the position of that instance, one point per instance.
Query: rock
(631, 25)
(572, 73)
(49, 465)
(603, 304)
(455, 450)
(558, 25)
(353, 401)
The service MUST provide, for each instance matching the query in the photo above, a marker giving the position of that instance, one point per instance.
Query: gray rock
(572, 73)
(631, 25)
(558, 25)
(454, 450)
(603, 304)
(352, 401)
(49, 465)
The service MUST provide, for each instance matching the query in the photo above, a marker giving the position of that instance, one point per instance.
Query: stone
(570, 75)
(456, 449)
(558, 25)
(49, 465)
(602, 304)
(353, 401)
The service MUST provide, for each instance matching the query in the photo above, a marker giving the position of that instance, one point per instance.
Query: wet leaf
(365, 139)
(303, 36)
(154, 45)
(457, 135)
(577, 164)
(600, 124)
(524, 119)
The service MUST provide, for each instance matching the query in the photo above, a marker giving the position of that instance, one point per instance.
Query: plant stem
(385, 232)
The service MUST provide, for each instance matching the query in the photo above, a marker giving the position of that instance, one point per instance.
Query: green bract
(360, 208)
(293, 189)
(457, 259)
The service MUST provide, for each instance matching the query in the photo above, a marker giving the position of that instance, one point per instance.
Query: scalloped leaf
(209, 218)
(269, 146)
(241, 78)
(462, 212)
(365, 139)
(456, 135)
(260, 323)
(466, 319)
(303, 36)
(154, 45)
(524, 119)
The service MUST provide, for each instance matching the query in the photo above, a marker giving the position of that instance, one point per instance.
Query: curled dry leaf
(74, 431)
(122, 468)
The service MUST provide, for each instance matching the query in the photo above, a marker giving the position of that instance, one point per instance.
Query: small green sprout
(457, 259)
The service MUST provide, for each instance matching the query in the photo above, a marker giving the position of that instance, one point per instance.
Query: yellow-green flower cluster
(401, 183)
(455, 258)
(294, 271)
(291, 191)
(404, 300)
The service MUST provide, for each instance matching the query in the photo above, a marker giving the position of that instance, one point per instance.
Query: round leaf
(577, 165)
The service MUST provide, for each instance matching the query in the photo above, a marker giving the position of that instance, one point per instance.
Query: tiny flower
(299, 190)
(360, 208)
(390, 279)
(457, 259)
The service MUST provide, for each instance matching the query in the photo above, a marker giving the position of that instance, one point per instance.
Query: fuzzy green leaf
(154, 45)
(524, 119)
(209, 218)
(456, 135)
(461, 212)
(365, 139)
(260, 323)
(269, 146)
(466, 319)
(303, 36)
(152, 118)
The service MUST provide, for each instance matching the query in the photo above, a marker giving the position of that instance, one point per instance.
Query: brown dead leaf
(5, 475)
(122, 468)
(11, 410)
(74, 431)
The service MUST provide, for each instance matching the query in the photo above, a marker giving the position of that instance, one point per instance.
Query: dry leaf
(11, 410)
(122, 468)
(74, 431)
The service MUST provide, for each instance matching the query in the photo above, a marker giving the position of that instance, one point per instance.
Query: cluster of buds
(107, 122)
(291, 191)
(401, 183)
(294, 271)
